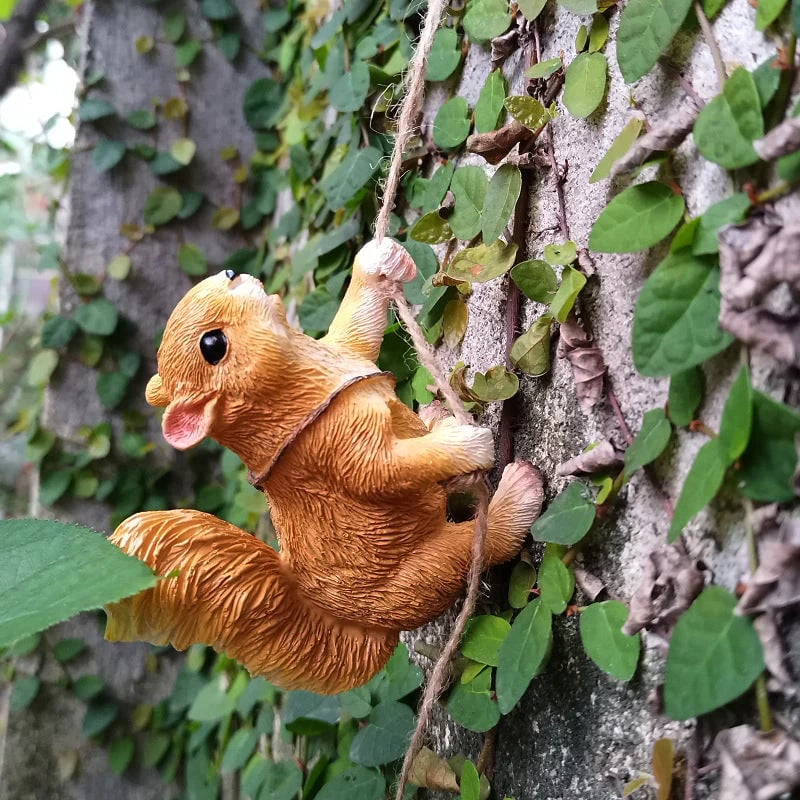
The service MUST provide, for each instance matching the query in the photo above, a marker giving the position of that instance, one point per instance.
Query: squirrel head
(223, 343)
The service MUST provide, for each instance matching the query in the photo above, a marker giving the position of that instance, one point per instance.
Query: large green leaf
(675, 323)
(351, 89)
(523, 653)
(501, 199)
(737, 417)
(351, 175)
(386, 737)
(726, 127)
(451, 126)
(604, 641)
(650, 442)
(354, 782)
(50, 571)
(445, 55)
(472, 704)
(585, 83)
(645, 30)
(469, 187)
(714, 656)
(568, 518)
(637, 219)
(490, 102)
(483, 637)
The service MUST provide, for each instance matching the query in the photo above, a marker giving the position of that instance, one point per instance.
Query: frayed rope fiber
(409, 114)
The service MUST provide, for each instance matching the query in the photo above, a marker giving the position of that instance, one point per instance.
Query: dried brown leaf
(670, 583)
(776, 582)
(504, 46)
(663, 763)
(755, 257)
(588, 583)
(602, 458)
(586, 360)
(757, 765)
(666, 135)
(432, 772)
(780, 141)
(494, 146)
(774, 654)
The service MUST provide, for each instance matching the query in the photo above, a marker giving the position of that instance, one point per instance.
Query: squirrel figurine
(355, 481)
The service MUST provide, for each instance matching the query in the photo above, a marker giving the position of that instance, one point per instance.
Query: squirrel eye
(213, 346)
(230, 274)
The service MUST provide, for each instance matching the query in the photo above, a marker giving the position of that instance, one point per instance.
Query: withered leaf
(757, 765)
(588, 583)
(755, 257)
(666, 135)
(774, 655)
(776, 582)
(504, 46)
(602, 458)
(780, 141)
(670, 583)
(586, 360)
(496, 145)
(663, 762)
(432, 772)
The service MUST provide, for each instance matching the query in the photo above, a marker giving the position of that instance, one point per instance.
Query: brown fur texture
(353, 477)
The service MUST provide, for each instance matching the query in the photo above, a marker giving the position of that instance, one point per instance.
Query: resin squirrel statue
(354, 478)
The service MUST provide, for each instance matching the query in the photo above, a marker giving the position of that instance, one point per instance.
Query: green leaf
(351, 88)
(357, 702)
(714, 656)
(536, 280)
(107, 153)
(522, 580)
(725, 129)
(531, 351)
(685, 394)
(88, 686)
(472, 705)
(737, 417)
(432, 229)
(119, 267)
(162, 205)
(58, 332)
(212, 703)
(568, 518)
(726, 212)
(491, 102)
(402, 677)
(192, 260)
(186, 53)
(528, 110)
(451, 126)
(483, 637)
(354, 782)
(624, 141)
(501, 199)
(41, 367)
(120, 754)
(486, 19)
(675, 322)
(183, 150)
(767, 12)
(523, 653)
(386, 737)
(262, 102)
(585, 84)
(561, 254)
(141, 119)
(99, 317)
(469, 187)
(496, 384)
(645, 30)
(713, 7)
(438, 184)
(53, 485)
(238, 750)
(556, 583)
(604, 641)
(67, 649)
(531, 10)
(445, 55)
(94, 108)
(796, 17)
(544, 69)
(470, 782)
(767, 78)
(572, 282)
(700, 487)
(275, 781)
(636, 219)
(599, 35)
(99, 715)
(649, 443)
(174, 26)
(218, 9)
(350, 176)
(483, 262)
(111, 388)
(318, 310)
(579, 6)
(771, 456)
(309, 713)
(24, 692)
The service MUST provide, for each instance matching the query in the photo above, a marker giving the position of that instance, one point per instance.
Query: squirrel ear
(188, 422)
(155, 393)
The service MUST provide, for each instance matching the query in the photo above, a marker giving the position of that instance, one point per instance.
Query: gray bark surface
(577, 734)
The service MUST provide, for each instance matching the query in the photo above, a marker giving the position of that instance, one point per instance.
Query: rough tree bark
(577, 733)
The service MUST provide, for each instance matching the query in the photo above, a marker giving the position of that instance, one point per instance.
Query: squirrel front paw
(476, 444)
(389, 260)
